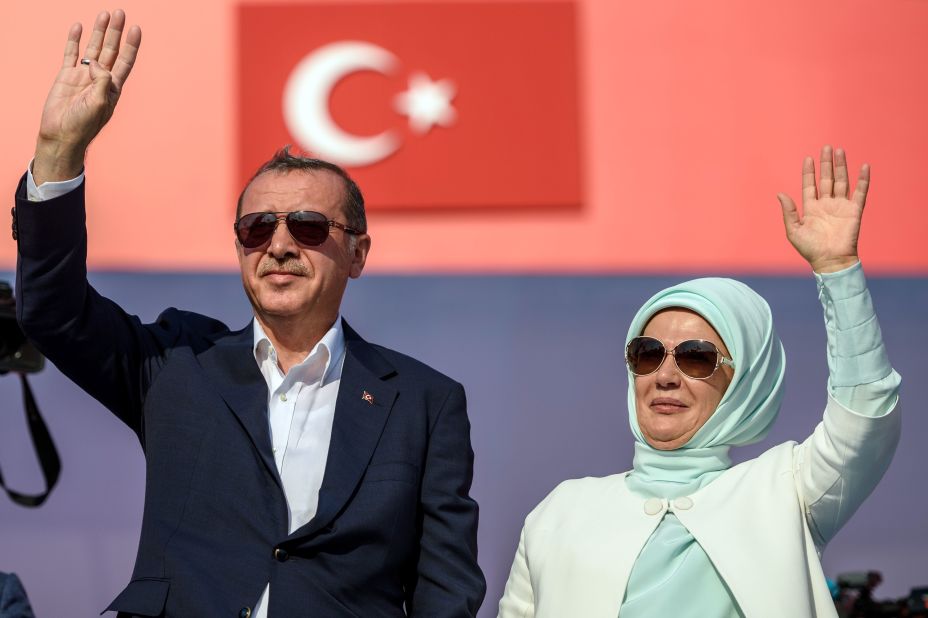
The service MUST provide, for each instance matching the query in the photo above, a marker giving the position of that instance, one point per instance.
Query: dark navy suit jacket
(13, 600)
(395, 530)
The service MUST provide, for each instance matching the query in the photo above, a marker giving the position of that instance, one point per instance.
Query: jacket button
(653, 506)
(245, 613)
(683, 503)
(280, 555)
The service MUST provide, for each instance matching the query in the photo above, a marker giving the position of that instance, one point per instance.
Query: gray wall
(541, 358)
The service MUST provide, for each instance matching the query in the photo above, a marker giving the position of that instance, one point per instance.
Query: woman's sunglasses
(306, 226)
(695, 358)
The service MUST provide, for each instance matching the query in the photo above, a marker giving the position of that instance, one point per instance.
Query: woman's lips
(668, 405)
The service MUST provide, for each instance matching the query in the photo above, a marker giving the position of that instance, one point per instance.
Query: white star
(427, 103)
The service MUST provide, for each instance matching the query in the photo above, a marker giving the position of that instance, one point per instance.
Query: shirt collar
(333, 341)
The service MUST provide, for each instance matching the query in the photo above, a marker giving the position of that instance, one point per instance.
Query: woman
(684, 533)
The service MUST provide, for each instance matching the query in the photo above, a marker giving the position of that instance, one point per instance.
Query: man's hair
(284, 162)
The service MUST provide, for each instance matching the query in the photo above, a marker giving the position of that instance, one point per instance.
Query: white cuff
(49, 190)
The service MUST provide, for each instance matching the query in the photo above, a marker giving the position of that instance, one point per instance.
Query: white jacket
(763, 523)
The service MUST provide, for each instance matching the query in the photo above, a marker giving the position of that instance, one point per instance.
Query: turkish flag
(428, 105)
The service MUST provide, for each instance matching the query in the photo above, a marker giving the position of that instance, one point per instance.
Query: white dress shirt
(301, 409)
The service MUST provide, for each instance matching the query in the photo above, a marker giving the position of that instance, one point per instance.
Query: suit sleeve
(105, 351)
(448, 582)
(13, 600)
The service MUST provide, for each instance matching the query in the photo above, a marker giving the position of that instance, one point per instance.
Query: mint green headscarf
(672, 565)
(742, 319)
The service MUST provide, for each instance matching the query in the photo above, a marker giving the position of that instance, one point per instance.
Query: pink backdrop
(692, 116)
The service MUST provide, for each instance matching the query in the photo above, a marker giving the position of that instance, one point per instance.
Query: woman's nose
(668, 374)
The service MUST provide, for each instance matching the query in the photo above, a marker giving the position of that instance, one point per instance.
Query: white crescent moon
(306, 103)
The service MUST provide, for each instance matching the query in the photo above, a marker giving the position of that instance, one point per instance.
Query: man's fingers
(790, 213)
(72, 47)
(808, 180)
(827, 182)
(111, 39)
(96, 37)
(127, 56)
(100, 80)
(863, 185)
(841, 182)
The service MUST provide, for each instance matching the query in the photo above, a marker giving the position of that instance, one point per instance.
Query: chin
(281, 310)
(273, 304)
(666, 440)
(670, 445)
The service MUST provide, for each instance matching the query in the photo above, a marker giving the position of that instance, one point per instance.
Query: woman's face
(671, 406)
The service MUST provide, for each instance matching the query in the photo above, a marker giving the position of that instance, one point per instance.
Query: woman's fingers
(808, 180)
(841, 181)
(827, 181)
(790, 213)
(863, 185)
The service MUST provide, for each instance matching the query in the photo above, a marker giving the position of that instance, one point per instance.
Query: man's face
(283, 278)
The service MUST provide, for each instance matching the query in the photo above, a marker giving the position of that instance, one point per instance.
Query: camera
(16, 353)
(855, 598)
(20, 356)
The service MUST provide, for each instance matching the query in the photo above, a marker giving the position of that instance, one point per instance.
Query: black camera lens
(11, 338)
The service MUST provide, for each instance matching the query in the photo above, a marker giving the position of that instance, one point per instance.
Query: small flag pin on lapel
(368, 398)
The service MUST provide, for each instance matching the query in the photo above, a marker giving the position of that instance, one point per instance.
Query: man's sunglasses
(306, 226)
(695, 358)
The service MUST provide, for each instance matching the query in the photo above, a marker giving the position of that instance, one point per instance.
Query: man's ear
(362, 247)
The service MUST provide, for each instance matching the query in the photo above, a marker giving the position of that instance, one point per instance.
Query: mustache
(291, 266)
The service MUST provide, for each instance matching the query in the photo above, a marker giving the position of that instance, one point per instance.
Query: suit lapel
(232, 369)
(361, 410)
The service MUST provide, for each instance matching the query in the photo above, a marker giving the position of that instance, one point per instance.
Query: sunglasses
(306, 226)
(695, 358)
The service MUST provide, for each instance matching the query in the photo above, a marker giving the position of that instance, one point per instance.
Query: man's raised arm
(84, 95)
(89, 338)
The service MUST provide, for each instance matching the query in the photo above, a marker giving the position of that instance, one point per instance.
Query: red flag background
(586, 136)
(512, 68)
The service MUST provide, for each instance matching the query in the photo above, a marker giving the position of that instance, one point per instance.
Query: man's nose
(282, 243)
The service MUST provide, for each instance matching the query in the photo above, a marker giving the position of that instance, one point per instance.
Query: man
(293, 469)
